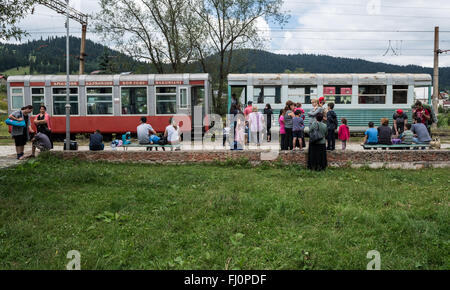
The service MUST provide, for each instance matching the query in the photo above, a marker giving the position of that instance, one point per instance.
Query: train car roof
(118, 77)
(330, 79)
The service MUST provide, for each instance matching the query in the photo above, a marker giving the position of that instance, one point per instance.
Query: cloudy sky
(391, 31)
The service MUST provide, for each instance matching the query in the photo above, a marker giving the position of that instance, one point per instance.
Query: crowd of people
(251, 127)
(22, 131)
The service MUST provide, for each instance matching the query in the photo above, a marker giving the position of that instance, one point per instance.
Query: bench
(394, 146)
(149, 147)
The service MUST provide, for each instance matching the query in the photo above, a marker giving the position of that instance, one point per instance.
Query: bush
(443, 120)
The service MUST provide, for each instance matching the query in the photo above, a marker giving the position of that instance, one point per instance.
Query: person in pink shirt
(282, 130)
(344, 133)
(248, 110)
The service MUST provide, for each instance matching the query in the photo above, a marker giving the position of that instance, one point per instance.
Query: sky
(391, 31)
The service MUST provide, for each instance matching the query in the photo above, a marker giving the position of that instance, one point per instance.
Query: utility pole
(64, 8)
(436, 73)
(68, 82)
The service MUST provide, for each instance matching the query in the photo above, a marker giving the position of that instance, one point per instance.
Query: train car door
(197, 99)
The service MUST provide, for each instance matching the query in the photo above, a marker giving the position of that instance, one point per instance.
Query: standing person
(317, 153)
(21, 134)
(298, 106)
(144, 131)
(282, 130)
(400, 120)
(40, 141)
(288, 116)
(256, 125)
(332, 124)
(233, 99)
(96, 141)
(384, 132)
(324, 108)
(298, 127)
(268, 114)
(43, 124)
(419, 112)
(315, 110)
(344, 133)
(248, 110)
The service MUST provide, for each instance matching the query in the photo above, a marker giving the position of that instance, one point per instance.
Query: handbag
(315, 135)
(435, 143)
(15, 123)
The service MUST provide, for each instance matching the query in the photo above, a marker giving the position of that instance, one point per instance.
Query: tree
(160, 31)
(11, 12)
(231, 24)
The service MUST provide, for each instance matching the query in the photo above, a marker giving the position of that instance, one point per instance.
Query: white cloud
(333, 28)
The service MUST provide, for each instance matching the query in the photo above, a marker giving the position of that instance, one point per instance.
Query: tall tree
(232, 24)
(11, 12)
(159, 31)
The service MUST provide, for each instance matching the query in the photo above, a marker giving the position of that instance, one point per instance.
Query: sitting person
(407, 135)
(420, 131)
(384, 132)
(96, 141)
(143, 132)
(371, 135)
(40, 141)
(172, 133)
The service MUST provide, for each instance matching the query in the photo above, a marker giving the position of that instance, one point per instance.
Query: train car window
(267, 94)
(338, 94)
(37, 99)
(372, 94)
(99, 101)
(400, 95)
(59, 101)
(166, 100)
(134, 100)
(183, 98)
(302, 94)
(16, 98)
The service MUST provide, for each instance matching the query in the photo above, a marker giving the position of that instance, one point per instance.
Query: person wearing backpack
(420, 112)
(21, 134)
(317, 153)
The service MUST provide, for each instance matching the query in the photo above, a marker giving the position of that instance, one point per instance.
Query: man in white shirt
(172, 133)
(143, 131)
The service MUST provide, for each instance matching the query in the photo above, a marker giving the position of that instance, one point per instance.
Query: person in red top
(419, 112)
(248, 110)
(344, 133)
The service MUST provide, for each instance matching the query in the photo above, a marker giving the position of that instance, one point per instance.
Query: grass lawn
(135, 216)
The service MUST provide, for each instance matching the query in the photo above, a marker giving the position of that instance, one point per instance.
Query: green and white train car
(359, 98)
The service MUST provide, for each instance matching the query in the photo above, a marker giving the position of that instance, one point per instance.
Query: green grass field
(135, 216)
(22, 70)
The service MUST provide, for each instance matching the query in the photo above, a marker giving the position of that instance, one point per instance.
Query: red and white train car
(112, 103)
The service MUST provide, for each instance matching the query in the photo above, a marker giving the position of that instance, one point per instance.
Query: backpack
(315, 135)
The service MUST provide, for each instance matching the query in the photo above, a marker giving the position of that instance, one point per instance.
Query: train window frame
(183, 105)
(37, 95)
(396, 90)
(71, 95)
(331, 98)
(146, 101)
(306, 97)
(383, 95)
(21, 95)
(99, 94)
(166, 94)
(264, 87)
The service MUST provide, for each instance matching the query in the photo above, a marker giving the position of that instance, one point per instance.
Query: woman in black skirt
(317, 153)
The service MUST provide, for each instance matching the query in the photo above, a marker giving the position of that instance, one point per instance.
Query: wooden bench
(394, 146)
(149, 147)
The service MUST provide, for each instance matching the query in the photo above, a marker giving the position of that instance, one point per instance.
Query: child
(282, 130)
(297, 129)
(344, 133)
(371, 135)
(407, 135)
(332, 123)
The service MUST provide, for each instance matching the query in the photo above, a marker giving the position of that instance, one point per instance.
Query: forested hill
(47, 56)
(250, 61)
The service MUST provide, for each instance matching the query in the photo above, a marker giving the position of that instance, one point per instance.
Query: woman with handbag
(43, 124)
(21, 134)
